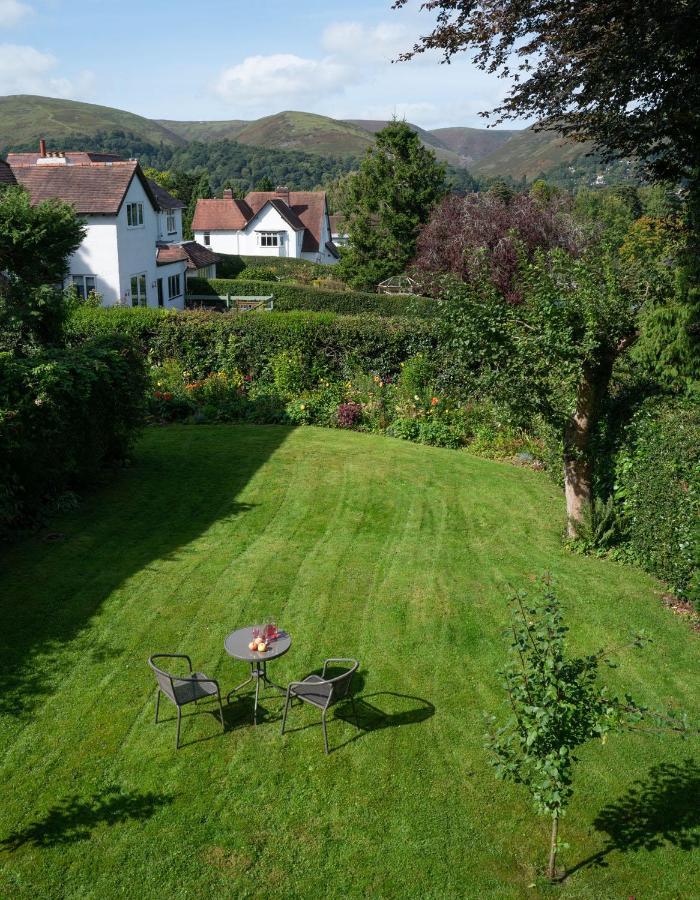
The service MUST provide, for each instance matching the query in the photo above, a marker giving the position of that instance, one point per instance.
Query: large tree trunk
(578, 467)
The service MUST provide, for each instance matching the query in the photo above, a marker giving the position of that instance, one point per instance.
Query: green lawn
(361, 546)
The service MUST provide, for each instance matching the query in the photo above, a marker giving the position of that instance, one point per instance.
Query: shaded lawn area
(360, 546)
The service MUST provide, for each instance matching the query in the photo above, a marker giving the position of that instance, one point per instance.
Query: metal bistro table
(236, 645)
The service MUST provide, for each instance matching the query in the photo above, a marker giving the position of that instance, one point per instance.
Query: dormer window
(269, 238)
(170, 223)
(134, 214)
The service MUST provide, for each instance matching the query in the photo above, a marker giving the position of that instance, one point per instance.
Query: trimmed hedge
(64, 414)
(290, 297)
(231, 265)
(206, 342)
(657, 479)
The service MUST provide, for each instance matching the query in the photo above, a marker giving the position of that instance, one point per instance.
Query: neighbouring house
(133, 253)
(6, 176)
(285, 223)
(339, 233)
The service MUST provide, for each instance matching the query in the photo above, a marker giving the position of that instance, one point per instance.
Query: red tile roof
(95, 189)
(170, 253)
(6, 176)
(221, 215)
(199, 256)
(72, 157)
(195, 255)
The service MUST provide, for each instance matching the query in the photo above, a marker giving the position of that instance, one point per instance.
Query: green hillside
(205, 131)
(527, 154)
(440, 149)
(306, 131)
(472, 143)
(25, 118)
(486, 154)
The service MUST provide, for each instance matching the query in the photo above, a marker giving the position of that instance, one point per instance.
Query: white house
(339, 231)
(133, 253)
(285, 223)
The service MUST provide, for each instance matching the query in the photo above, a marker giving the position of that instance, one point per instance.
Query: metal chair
(323, 692)
(183, 690)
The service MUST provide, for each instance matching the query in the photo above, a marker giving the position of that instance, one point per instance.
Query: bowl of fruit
(263, 637)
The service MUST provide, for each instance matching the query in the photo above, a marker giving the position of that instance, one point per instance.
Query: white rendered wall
(163, 234)
(98, 256)
(137, 251)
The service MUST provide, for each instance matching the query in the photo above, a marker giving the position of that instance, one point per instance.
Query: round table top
(236, 645)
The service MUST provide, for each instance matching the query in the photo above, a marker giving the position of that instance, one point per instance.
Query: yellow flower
(302, 406)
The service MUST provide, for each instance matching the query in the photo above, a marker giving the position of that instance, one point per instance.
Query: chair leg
(221, 713)
(325, 733)
(157, 703)
(284, 715)
(177, 736)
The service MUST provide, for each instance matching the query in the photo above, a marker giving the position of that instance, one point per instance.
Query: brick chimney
(282, 193)
(228, 194)
(42, 148)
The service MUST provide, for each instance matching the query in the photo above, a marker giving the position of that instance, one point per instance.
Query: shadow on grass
(74, 819)
(387, 709)
(373, 712)
(183, 481)
(661, 810)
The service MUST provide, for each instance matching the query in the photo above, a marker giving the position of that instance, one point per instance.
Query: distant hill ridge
(485, 152)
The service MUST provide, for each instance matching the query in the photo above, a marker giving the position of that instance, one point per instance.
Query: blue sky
(229, 59)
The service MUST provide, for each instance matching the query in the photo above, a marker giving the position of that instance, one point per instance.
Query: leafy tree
(265, 184)
(166, 179)
(501, 191)
(551, 355)
(632, 89)
(35, 243)
(557, 705)
(385, 203)
(201, 191)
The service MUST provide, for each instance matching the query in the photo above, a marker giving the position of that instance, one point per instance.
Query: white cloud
(361, 45)
(280, 77)
(26, 70)
(12, 12)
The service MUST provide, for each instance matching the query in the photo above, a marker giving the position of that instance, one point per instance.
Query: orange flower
(434, 401)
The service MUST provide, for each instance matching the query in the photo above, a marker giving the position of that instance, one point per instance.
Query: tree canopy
(35, 243)
(622, 74)
(384, 204)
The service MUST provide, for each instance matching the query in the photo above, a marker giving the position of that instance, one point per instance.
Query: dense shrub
(288, 297)
(657, 474)
(327, 344)
(231, 266)
(63, 414)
